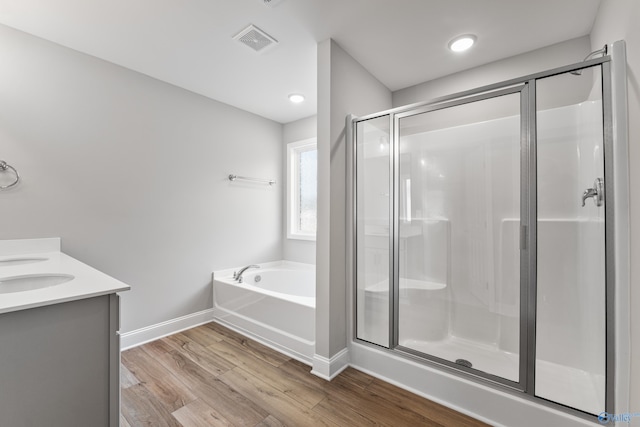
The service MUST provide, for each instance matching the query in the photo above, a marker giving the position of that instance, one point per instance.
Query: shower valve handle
(597, 192)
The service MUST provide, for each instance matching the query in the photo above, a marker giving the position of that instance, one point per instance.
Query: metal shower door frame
(526, 86)
(523, 91)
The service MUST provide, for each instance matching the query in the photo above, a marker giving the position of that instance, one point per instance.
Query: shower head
(602, 51)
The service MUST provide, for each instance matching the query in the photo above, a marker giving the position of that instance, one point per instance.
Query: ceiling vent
(255, 38)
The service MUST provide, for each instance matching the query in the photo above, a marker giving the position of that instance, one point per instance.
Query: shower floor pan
(570, 386)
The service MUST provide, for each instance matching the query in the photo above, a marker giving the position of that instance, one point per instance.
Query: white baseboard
(160, 330)
(328, 369)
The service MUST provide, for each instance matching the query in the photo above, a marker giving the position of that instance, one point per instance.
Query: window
(302, 187)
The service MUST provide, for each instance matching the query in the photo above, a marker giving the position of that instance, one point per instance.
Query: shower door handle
(597, 192)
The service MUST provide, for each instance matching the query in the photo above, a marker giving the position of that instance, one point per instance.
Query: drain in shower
(463, 362)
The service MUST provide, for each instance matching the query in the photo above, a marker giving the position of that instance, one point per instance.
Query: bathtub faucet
(238, 275)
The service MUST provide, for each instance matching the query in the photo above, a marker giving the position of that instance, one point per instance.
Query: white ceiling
(189, 43)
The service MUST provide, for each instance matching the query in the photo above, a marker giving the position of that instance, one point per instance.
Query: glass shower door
(571, 341)
(373, 230)
(458, 186)
(485, 234)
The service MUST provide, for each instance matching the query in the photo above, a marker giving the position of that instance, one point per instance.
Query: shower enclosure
(483, 234)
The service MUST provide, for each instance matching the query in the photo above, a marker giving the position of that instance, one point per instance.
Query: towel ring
(3, 167)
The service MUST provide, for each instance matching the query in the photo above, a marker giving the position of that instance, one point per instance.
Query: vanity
(59, 339)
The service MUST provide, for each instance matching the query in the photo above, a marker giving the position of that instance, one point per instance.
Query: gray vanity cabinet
(60, 364)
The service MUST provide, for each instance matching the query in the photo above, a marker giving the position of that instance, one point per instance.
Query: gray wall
(618, 20)
(344, 87)
(516, 66)
(131, 173)
(295, 249)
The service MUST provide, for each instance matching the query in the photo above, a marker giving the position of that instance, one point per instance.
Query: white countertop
(88, 281)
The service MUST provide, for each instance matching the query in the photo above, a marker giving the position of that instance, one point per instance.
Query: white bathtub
(274, 305)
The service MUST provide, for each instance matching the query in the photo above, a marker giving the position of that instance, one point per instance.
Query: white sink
(19, 261)
(32, 282)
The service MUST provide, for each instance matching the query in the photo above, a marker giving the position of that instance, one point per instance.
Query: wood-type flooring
(212, 376)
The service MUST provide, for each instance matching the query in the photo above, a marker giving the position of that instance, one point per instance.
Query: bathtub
(274, 305)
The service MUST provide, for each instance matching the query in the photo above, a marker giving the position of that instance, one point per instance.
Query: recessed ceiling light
(296, 98)
(462, 43)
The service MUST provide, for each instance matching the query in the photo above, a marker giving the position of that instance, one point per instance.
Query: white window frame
(293, 198)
